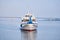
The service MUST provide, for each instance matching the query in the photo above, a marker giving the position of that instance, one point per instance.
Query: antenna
(29, 11)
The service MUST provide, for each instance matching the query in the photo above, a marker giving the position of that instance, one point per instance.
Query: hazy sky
(39, 8)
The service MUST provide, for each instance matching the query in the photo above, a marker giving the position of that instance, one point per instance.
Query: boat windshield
(27, 20)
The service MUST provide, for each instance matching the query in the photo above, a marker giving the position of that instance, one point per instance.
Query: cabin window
(25, 20)
(33, 20)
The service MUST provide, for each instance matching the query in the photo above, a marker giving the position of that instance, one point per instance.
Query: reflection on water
(28, 35)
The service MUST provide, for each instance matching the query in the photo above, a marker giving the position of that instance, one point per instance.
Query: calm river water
(46, 30)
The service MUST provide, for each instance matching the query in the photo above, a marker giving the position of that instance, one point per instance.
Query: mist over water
(46, 30)
(47, 13)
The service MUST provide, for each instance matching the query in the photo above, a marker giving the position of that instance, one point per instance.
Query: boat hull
(29, 26)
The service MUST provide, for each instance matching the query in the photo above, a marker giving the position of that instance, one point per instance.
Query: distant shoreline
(39, 18)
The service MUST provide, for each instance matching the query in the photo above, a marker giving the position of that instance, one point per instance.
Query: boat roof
(28, 15)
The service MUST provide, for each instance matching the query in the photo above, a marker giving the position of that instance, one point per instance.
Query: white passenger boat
(28, 22)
